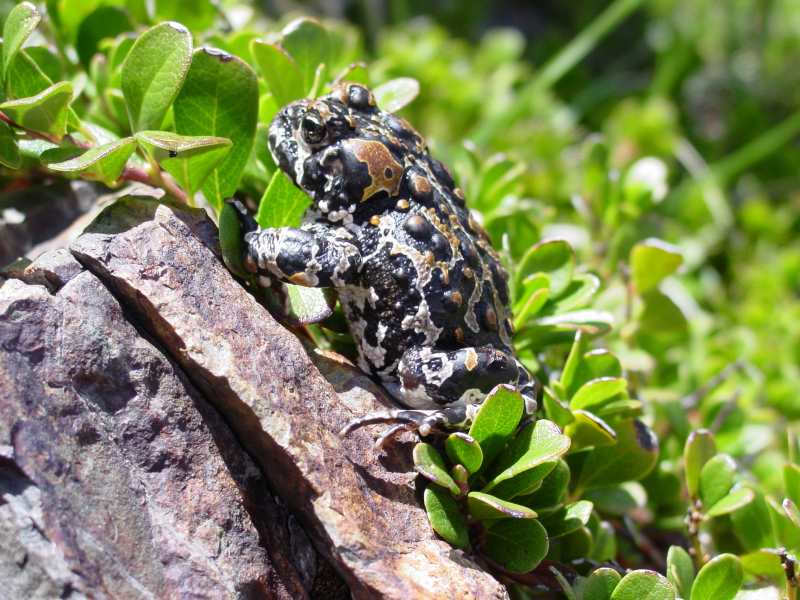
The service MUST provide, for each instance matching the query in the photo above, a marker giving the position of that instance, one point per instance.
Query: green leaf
(589, 431)
(791, 510)
(643, 585)
(554, 258)
(552, 493)
(153, 73)
(517, 545)
(230, 240)
(560, 329)
(601, 584)
(395, 94)
(105, 22)
(497, 421)
(283, 77)
(220, 98)
(752, 521)
(309, 305)
(356, 72)
(9, 148)
(282, 204)
(574, 359)
(680, 571)
(106, 161)
(763, 564)
(534, 303)
(464, 450)
(567, 519)
(594, 394)
(605, 543)
(20, 23)
(631, 458)
(731, 502)
(528, 288)
(651, 261)
(716, 479)
(719, 579)
(542, 451)
(483, 506)
(565, 586)
(617, 500)
(445, 516)
(595, 364)
(556, 411)
(791, 481)
(35, 148)
(581, 288)
(700, 448)
(661, 316)
(430, 464)
(45, 112)
(189, 159)
(309, 44)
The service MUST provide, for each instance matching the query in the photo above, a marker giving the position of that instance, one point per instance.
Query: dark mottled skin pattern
(425, 294)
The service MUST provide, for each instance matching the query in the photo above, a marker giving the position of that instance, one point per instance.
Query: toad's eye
(312, 128)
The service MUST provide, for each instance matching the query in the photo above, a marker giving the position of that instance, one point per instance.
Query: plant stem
(34, 134)
(134, 173)
(693, 518)
(557, 67)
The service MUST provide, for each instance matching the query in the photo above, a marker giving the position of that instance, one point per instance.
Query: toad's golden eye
(313, 128)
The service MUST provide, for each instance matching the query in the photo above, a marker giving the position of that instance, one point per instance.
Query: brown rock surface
(361, 509)
(117, 479)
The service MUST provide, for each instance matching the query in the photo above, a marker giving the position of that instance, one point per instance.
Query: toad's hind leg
(444, 389)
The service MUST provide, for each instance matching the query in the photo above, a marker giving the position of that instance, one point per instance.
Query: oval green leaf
(651, 261)
(567, 519)
(643, 585)
(556, 411)
(106, 161)
(189, 159)
(279, 70)
(680, 571)
(752, 521)
(9, 147)
(46, 112)
(430, 464)
(445, 516)
(589, 431)
(631, 458)
(552, 257)
(731, 502)
(105, 22)
(578, 292)
(230, 240)
(594, 364)
(699, 449)
(484, 506)
(517, 545)
(282, 204)
(153, 73)
(309, 305)
(20, 23)
(601, 584)
(395, 94)
(719, 579)
(793, 512)
(594, 394)
(309, 44)
(716, 479)
(497, 421)
(552, 493)
(462, 449)
(220, 98)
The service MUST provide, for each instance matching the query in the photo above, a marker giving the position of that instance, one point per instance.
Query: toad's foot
(423, 421)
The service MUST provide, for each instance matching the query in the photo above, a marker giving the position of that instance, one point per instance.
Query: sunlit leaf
(395, 94)
(651, 261)
(309, 44)
(282, 204)
(462, 449)
(594, 394)
(20, 23)
(643, 585)
(46, 112)
(567, 519)
(680, 571)
(497, 421)
(429, 463)
(9, 148)
(552, 257)
(106, 161)
(719, 579)
(601, 584)
(283, 77)
(220, 98)
(485, 506)
(700, 448)
(445, 516)
(153, 73)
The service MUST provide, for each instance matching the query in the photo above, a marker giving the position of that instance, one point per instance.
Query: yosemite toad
(424, 293)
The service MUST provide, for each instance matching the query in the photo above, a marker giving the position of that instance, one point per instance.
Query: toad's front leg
(319, 255)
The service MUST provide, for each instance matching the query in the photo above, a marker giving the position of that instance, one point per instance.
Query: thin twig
(726, 410)
(693, 399)
(693, 518)
(34, 134)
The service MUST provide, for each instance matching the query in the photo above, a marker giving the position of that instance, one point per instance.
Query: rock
(360, 508)
(52, 269)
(117, 479)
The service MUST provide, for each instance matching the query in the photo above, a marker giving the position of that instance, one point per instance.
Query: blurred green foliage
(657, 137)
